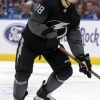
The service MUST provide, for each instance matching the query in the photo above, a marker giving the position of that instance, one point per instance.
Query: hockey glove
(51, 38)
(86, 67)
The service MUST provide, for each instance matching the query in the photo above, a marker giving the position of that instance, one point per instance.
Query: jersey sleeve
(41, 12)
(75, 41)
(73, 16)
(37, 21)
(74, 35)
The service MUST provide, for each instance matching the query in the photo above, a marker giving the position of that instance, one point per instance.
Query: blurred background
(14, 15)
(24, 8)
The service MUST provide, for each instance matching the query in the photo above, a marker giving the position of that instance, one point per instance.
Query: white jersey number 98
(39, 9)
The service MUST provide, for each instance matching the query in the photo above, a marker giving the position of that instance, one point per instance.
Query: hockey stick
(73, 57)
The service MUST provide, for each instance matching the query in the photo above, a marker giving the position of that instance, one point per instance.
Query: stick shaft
(73, 57)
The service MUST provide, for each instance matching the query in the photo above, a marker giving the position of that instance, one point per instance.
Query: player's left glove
(86, 67)
(51, 38)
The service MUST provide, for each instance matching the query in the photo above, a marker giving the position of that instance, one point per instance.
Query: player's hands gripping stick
(86, 66)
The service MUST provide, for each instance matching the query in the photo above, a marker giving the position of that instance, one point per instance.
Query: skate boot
(26, 93)
(43, 94)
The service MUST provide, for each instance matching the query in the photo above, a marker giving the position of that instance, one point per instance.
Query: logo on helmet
(13, 32)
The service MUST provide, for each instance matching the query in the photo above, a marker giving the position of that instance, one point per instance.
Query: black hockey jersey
(51, 13)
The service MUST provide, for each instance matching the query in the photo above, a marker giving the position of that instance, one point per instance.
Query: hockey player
(52, 20)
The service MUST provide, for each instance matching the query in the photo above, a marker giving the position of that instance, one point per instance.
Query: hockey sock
(52, 83)
(19, 89)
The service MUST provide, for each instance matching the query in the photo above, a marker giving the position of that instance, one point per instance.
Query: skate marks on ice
(78, 87)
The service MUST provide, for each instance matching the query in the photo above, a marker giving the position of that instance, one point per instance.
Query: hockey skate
(26, 93)
(43, 94)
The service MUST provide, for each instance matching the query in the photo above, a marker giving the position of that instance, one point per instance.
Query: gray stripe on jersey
(36, 27)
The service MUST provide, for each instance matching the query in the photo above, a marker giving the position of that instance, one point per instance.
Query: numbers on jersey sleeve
(40, 9)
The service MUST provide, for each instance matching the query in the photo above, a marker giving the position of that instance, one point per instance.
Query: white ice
(78, 87)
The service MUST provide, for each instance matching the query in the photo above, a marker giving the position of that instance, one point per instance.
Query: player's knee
(22, 76)
(65, 73)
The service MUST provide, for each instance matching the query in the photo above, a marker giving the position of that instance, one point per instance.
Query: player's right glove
(51, 38)
(86, 67)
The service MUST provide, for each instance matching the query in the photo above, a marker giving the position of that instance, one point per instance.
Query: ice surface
(78, 87)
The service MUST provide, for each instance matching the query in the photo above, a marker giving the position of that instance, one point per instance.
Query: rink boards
(10, 33)
(10, 57)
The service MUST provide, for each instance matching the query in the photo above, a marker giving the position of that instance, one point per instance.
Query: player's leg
(62, 70)
(24, 65)
(20, 85)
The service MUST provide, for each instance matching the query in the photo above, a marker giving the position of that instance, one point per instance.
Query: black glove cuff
(83, 57)
(87, 56)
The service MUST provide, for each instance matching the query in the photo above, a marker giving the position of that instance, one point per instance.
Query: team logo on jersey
(13, 32)
(61, 27)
